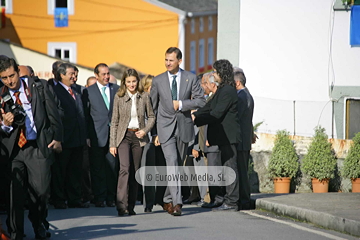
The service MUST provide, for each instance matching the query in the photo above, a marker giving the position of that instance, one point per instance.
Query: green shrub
(283, 160)
(320, 161)
(351, 168)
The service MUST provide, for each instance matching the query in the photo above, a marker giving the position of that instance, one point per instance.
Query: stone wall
(260, 154)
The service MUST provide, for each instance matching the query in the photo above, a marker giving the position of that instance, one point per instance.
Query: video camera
(17, 110)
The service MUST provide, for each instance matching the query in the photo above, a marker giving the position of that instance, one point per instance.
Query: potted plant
(283, 164)
(320, 162)
(351, 168)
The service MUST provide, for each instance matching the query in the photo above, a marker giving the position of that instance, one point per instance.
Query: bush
(283, 160)
(351, 168)
(320, 161)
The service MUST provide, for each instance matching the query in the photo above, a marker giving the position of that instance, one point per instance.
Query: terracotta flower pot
(282, 184)
(320, 186)
(355, 185)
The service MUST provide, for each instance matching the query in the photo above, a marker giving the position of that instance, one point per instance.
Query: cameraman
(28, 145)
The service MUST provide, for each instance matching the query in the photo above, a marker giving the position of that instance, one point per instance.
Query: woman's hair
(225, 71)
(129, 73)
(146, 82)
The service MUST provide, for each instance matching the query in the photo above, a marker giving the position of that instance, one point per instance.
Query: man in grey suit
(99, 99)
(174, 94)
(245, 112)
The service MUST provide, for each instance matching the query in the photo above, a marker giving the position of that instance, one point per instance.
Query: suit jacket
(221, 114)
(80, 89)
(51, 82)
(74, 118)
(46, 118)
(121, 117)
(245, 110)
(192, 97)
(98, 117)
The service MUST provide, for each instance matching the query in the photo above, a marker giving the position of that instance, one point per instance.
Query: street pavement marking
(295, 226)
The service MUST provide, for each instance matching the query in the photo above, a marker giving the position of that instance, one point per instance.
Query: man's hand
(156, 141)
(195, 153)
(7, 118)
(140, 134)
(207, 143)
(113, 151)
(176, 105)
(56, 146)
(88, 142)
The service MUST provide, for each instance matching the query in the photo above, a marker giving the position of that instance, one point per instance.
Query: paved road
(103, 223)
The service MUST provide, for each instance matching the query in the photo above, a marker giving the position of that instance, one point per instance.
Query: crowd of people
(72, 146)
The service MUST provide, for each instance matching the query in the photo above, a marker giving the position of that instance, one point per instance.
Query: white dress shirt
(178, 77)
(134, 122)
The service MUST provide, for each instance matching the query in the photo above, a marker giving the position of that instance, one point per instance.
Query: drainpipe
(181, 40)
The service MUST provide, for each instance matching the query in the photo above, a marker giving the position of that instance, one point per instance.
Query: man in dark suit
(99, 99)
(245, 111)
(174, 94)
(28, 146)
(220, 113)
(66, 181)
(53, 81)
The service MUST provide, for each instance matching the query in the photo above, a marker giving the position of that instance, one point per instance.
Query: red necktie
(22, 139)
(71, 93)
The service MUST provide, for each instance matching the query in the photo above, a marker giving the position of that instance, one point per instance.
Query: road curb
(319, 218)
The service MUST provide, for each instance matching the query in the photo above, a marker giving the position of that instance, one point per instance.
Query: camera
(17, 110)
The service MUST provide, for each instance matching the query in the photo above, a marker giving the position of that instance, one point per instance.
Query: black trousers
(67, 176)
(244, 184)
(104, 170)
(229, 159)
(86, 179)
(30, 174)
(216, 192)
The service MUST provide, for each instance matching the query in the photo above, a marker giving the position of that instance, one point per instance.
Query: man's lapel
(183, 84)
(33, 99)
(112, 95)
(165, 84)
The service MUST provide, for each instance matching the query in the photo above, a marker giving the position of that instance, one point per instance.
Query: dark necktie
(22, 139)
(174, 88)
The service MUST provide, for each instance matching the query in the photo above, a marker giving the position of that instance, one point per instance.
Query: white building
(300, 67)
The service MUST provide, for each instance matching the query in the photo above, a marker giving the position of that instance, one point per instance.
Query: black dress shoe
(225, 207)
(211, 205)
(99, 204)
(110, 203)
(189, 201)
(147, 210)
(41, 232)
(60, 205)
(79, 205)
(131, 212)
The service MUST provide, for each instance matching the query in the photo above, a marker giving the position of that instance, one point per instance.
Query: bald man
(24, 71)
(90, 81)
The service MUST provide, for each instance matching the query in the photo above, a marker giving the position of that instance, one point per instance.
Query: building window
(201, 55)
(201, 24)
(210, 23)
(210, 53)
(192, 26)
(69, 4)
(193, 57)
(352, 116)
(7, 4)
(63, 50)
